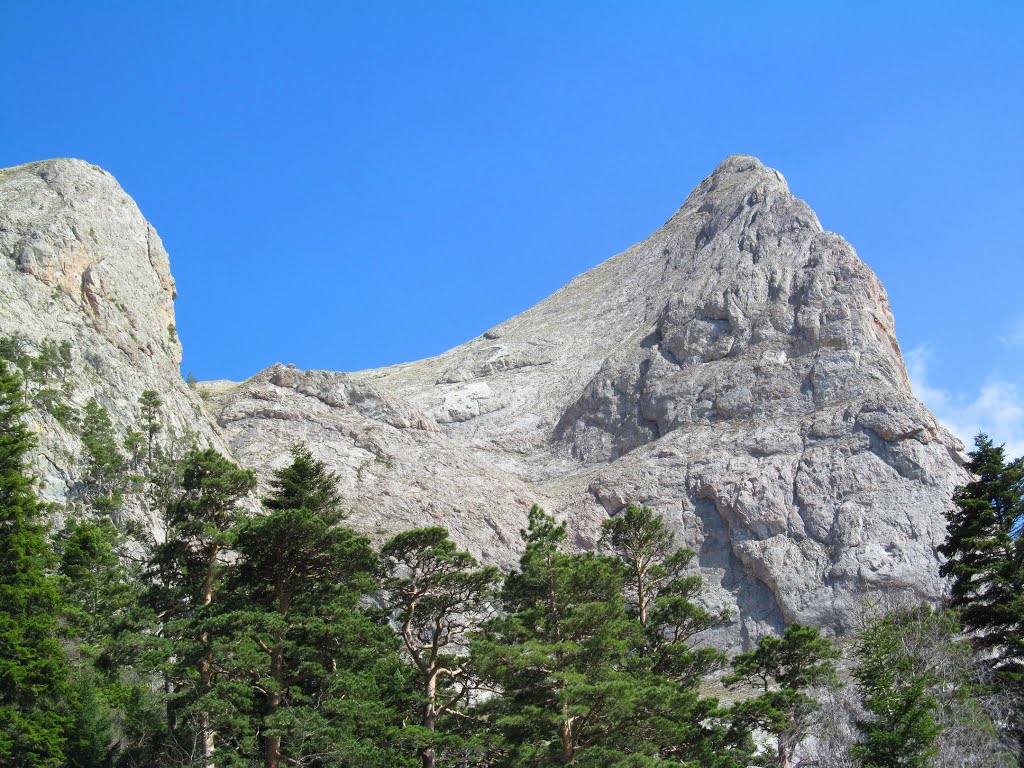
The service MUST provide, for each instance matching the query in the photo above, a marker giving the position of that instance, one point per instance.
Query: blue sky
(347, 185)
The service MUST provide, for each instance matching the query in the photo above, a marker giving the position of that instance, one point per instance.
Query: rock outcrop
(738, 371)
(79, 263)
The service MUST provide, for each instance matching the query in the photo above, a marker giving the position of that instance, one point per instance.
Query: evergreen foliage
(786, 669)
(101, 590)
(45, 379)
(326, 677)
(579, 682)
(150, 404)
(184, 573)
(437, 596)
(33, 668)
(661, 593)
(104, 464)
(306, 484)
(643, 541)
(278, 637)
(560, 654)
(985, 557)
(896, 692)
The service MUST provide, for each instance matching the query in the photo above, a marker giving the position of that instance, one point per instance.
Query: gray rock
(738, 371)
(79, 263)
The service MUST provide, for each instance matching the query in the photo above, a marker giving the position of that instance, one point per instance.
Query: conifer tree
(675, 720)
(101, 592)
(785, 669)
(33, 667)
(150, 404)
(184, 572)
(136, 449)
(44, 376)
(644, 542)
(323, 673)
(895, 689)
(104, 462)
(985, 557)
(306, 483)
(575, 675)
(662, 592)
(437, 595)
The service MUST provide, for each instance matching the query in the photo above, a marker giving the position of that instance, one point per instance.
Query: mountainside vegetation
(242, 630)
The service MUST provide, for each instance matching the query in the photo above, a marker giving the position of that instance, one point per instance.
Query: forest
(248, 629)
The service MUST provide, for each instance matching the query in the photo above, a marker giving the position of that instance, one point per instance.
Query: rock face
(79, 263)
(738, 371)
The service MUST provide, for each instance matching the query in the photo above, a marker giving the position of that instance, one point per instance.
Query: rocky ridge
(738, 371)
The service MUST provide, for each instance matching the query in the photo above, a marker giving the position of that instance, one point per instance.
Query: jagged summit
(738, 371)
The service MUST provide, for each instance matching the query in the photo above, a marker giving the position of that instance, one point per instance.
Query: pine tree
(101, 593)
(437, 595)
(33, 667)
(150, 404)
(98, 586)
(323, 673)
(785, 669)
(644, 542)
(44, 376)
(896, 690)
(184, 573)
(575, 672)
(104, 462)
(985, 557)
(676, 720)
(662, 592)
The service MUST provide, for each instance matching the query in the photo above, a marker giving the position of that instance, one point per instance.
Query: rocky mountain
(79, 263)
(738, 371)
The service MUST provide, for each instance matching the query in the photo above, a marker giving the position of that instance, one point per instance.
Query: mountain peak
(749, 168)
(737, 371)
(739, 179)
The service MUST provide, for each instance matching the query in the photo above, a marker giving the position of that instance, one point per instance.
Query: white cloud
(997, 409)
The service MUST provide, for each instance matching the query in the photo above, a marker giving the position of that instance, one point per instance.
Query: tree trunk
(206, 665)
(272, 744)
(211, 572)
(568, 745)
(272, 751)
(641, 596)
(208, 746)
(783, 754)
(429, 717)
(205, 727)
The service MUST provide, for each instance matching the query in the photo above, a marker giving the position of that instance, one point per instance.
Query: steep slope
(738, 371)
(79, 263)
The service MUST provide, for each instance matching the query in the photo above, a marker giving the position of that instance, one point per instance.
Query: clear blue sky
(346, 185)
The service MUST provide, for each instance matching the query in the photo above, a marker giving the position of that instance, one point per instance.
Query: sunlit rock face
(738, 371)
(79, 263)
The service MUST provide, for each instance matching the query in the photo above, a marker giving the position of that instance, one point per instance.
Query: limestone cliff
(737, 371)
(79, 263)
